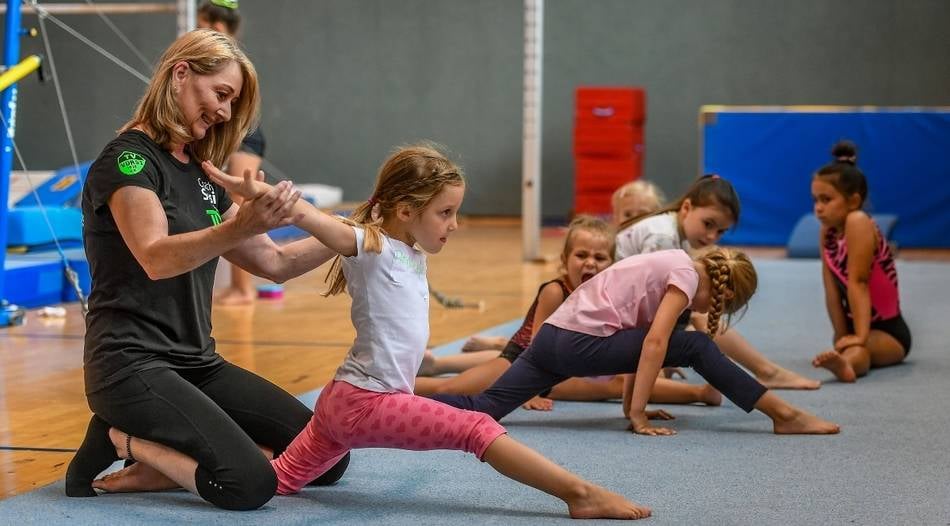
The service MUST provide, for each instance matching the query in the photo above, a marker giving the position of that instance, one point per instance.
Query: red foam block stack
(608, 144)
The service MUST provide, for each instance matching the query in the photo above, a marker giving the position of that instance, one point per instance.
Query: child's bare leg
(586, 390)
(584, 500)
(455, 363)
(768, 373)
(470, 382)
(485, 343)
(174, 469)
(790, 420)
(884, 349)
(673, 392)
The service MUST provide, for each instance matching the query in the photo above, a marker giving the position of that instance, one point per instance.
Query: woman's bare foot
(598, 503)
(802, 423)
(137, 477)
(232, 297)
(710, 396)
(427, 368)
(484, 343)
(834, 362)
(539, 404)
(782, 378)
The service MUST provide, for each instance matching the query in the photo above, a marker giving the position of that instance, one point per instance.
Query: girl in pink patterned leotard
(859, 274)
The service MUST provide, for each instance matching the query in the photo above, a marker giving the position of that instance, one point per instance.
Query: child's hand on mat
(640, 423)
(248, 187)
(539, 404)
(848, 341)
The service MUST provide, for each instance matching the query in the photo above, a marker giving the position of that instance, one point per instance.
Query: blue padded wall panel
(770, 157)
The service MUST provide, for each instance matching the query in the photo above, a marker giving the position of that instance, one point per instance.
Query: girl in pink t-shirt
(588, 249)
(622, 321)
(696, 221)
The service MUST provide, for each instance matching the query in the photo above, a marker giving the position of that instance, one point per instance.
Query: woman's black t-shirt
(136, 323)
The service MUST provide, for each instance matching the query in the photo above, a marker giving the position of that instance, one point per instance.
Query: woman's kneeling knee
(241, 489)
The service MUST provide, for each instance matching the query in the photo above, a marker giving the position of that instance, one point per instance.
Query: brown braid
(733, 282)
(412, 175)
(719, 274)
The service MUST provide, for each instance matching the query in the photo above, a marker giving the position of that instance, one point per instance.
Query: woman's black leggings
(217, 415)
(557, 354)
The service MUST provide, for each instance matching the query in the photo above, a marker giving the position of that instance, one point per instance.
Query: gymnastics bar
(24, 68)
(94, 9)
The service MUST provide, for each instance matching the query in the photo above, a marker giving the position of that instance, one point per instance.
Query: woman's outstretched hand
(249, 187)
(270, 210)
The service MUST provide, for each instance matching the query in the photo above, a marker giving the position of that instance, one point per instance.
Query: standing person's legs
(169, 416)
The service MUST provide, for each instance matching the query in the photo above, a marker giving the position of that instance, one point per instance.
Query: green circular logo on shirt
(131, 163)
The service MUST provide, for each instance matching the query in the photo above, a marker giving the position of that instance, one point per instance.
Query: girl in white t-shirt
(696, 221)
(369, 403)
(623, 321)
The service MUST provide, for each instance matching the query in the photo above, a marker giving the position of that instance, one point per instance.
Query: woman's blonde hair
(590, 224)
(206, 52)
(413, 175)
(729, 270)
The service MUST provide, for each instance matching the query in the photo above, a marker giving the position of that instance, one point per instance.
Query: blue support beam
(11, 56)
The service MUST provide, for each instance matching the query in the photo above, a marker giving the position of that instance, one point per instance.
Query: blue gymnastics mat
(888, 466)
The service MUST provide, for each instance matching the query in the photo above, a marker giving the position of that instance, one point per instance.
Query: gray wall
(344, 81)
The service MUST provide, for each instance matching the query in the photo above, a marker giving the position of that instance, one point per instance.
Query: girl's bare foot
(710, 396)
(539, 404)
(598, 503)
(834, 362)
(484, 343)
(784, 379)
(427, 368)
(232, 297)
(802, 423)
(137, 477)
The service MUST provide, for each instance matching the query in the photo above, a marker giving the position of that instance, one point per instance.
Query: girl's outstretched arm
(674, 302)
(332, 233)
(861, 239)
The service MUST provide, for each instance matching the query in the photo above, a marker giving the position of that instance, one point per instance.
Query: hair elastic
(227, 4)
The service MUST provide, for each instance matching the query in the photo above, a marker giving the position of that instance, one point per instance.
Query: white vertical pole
(187, 16)
(531, 138)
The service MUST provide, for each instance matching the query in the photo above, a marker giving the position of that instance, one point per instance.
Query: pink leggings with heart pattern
(347, 417)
